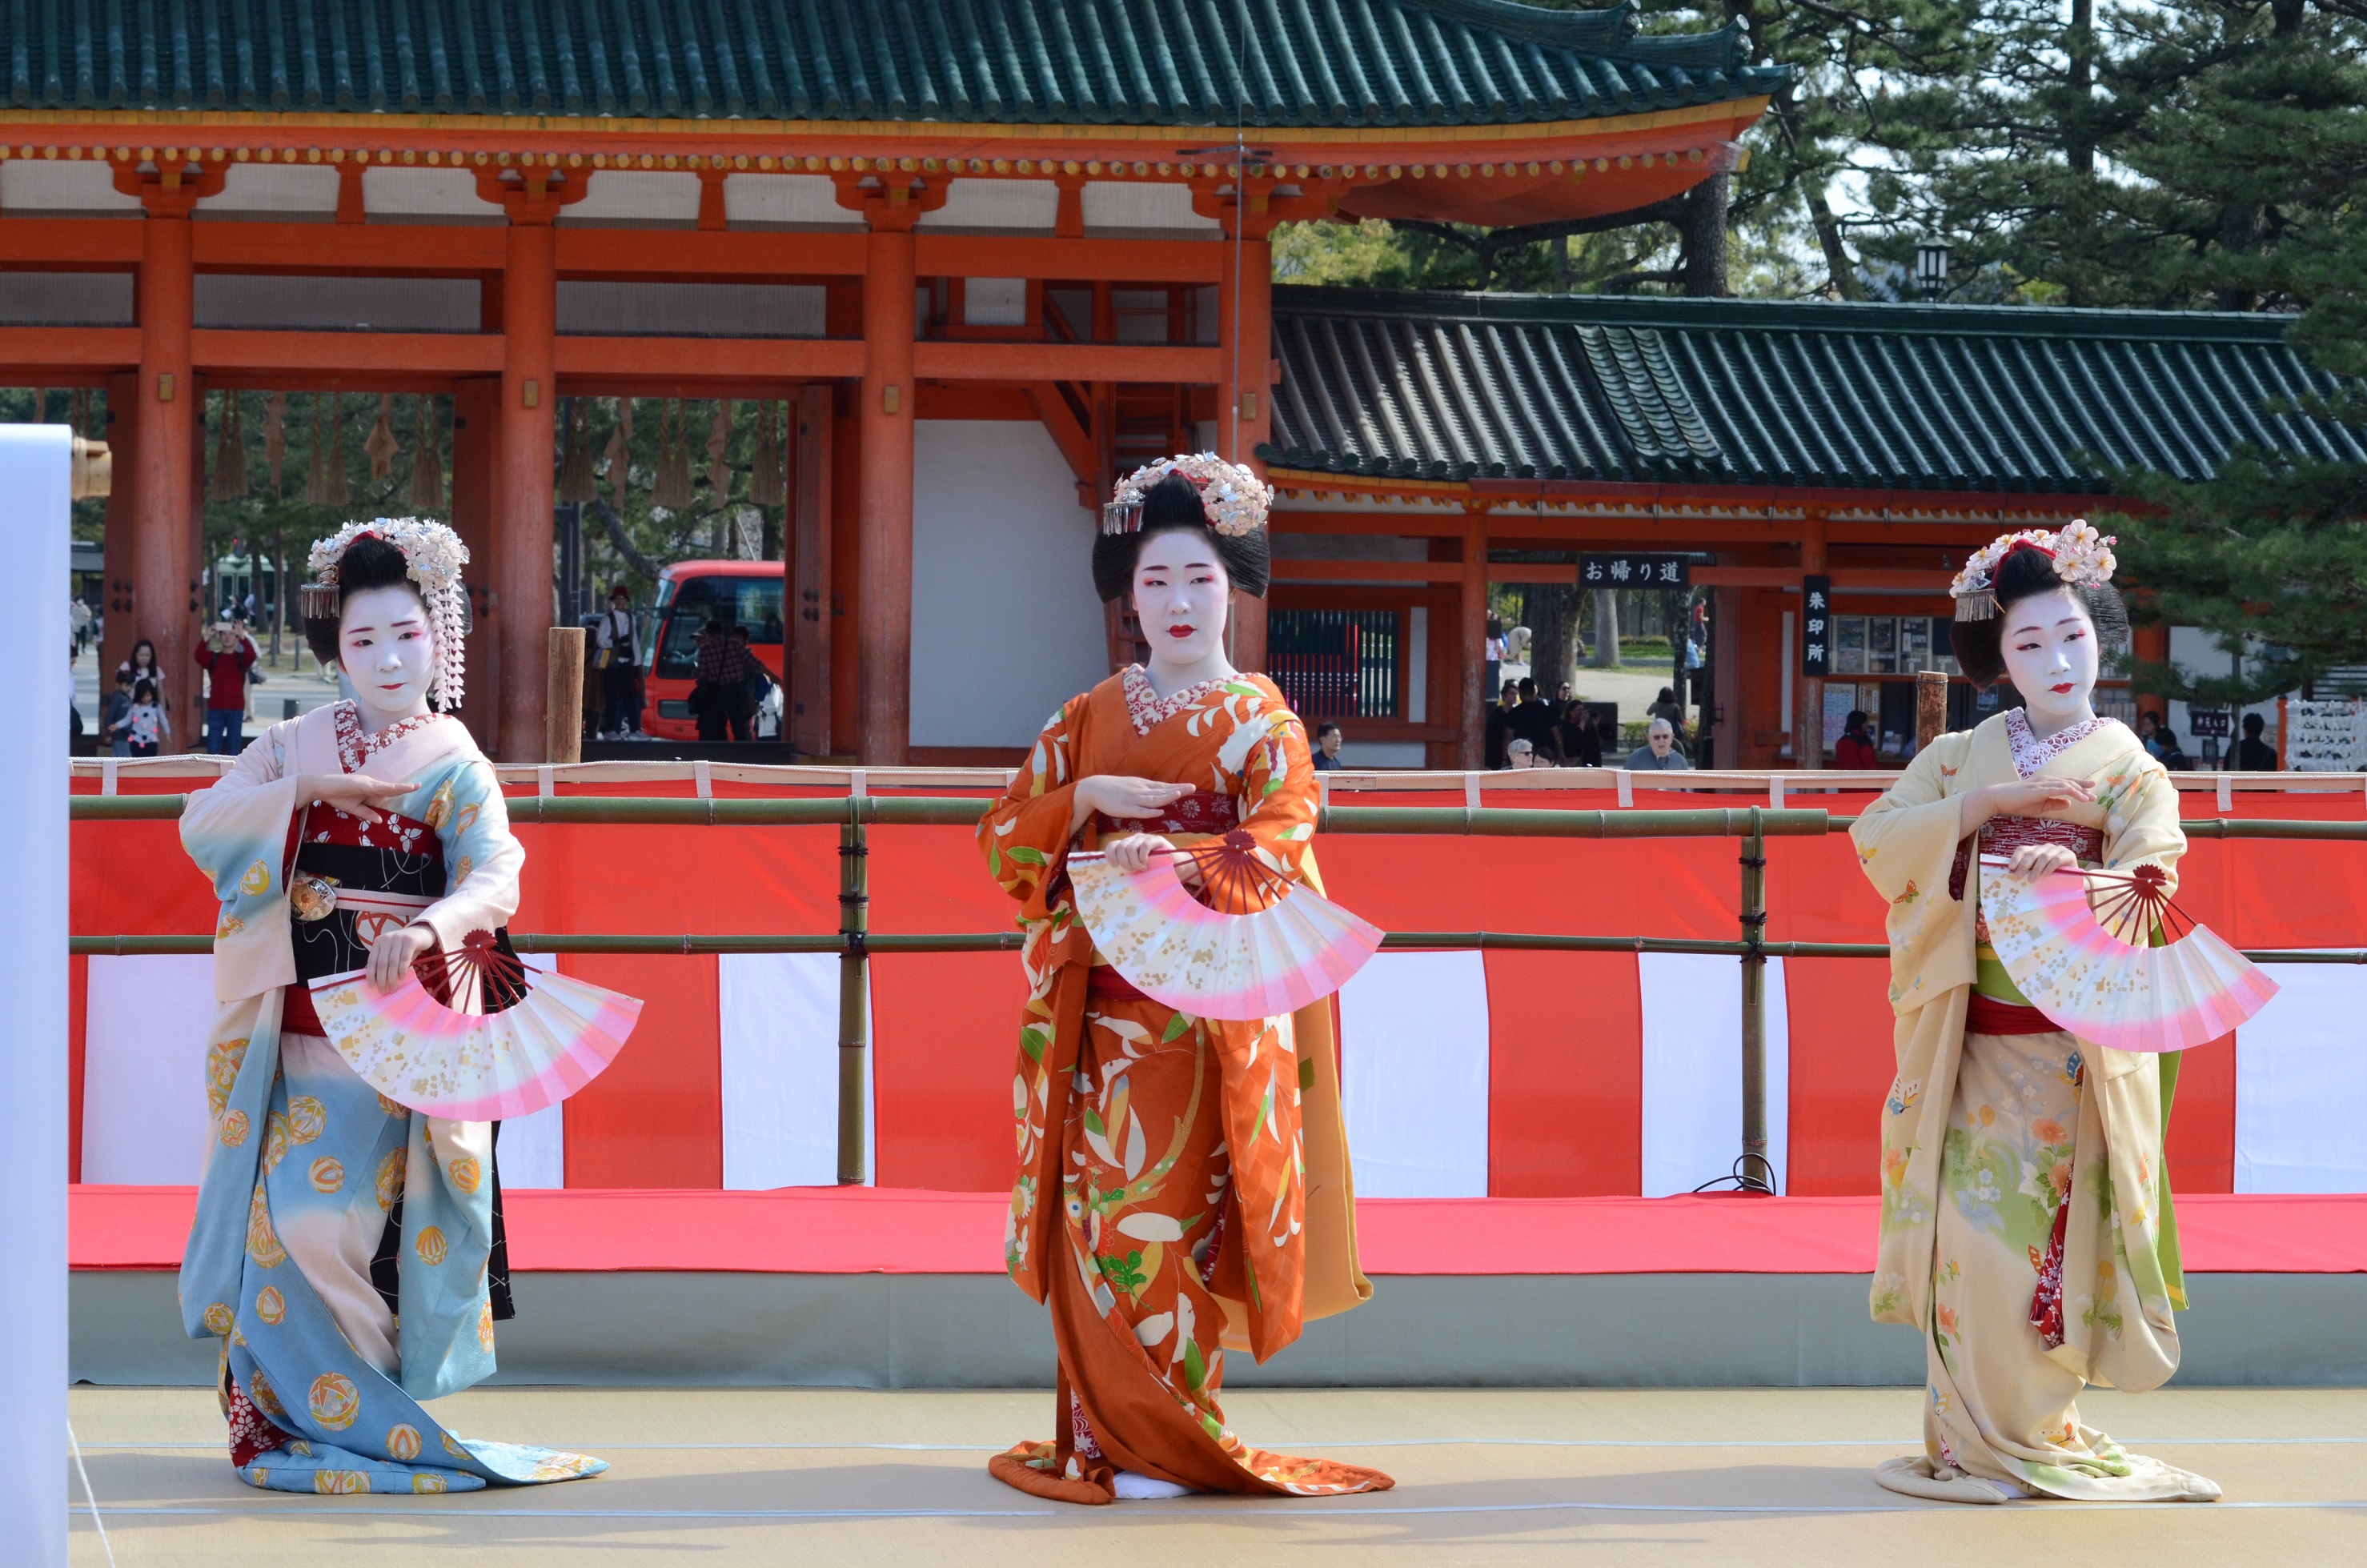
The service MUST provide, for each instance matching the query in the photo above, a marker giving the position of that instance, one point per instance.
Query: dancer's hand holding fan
(474, 1035)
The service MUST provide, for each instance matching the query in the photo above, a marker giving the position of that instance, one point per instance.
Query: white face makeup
(2051, 655)
(1182, 595)
(388, 653)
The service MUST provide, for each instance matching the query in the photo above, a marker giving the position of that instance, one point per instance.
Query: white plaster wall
(1005, 625)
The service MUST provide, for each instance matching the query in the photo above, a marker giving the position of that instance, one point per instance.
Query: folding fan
(2061, 946)
(1260, 945)
(551, 1034)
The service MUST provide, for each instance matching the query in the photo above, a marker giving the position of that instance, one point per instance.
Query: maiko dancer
(343, 1243)
(1183, 1181)
(2026, 1222)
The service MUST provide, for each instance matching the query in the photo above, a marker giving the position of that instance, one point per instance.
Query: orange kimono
(1182, 1181)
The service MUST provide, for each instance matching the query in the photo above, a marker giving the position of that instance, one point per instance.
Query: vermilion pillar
(884, 562)
(166, 458)
(474, 435)
(1245, 414)
(520, 579)
(2150, 645)
(1471, 714)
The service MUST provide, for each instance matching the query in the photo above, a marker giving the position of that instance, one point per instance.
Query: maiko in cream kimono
(1985, 1138)
(320, 1382)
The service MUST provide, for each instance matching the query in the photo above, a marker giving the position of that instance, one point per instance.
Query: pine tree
(2264, 162)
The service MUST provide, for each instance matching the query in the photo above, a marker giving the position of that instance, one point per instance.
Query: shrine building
(989, 256)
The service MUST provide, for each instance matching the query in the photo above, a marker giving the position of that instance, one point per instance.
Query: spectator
(619, 652)
(1533, 722)
(80, 616)
(2149, 732)
(1855, 749)
(1581, 743)
(1659, 753)
(760, 680)
(1497, 715)
(1667, 706)
(141, 666)
(2254, 755)
(719, 697)
(145, 723)
(118, 703)
(1521, 755)
(226, 655)
(1493, 669)
(1328, 740)
(2172, 756)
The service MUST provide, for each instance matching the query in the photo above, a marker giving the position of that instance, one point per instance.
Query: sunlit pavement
(1757, 1476)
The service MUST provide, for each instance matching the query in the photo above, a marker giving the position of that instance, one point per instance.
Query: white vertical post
(35, 462)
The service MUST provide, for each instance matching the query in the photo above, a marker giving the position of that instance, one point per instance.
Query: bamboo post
(1754, 1017)
(1930, 708)
(562, 714)
(854, 995)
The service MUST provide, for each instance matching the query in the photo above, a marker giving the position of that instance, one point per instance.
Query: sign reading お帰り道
(1634, 568)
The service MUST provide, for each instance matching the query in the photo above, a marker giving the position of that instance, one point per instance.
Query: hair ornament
(1235, 500)
(2082, 558)
(434, 555)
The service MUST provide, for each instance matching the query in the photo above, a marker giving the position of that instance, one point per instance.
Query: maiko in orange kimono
(1182, 1181)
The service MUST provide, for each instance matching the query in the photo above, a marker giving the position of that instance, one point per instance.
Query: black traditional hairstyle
(1173, 505)
(1979, 646)
(368, 562)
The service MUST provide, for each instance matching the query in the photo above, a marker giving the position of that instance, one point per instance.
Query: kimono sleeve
(1275, 773)
(1906, 845)
(1025, 834)
(2141, 824)
(485, 857)
(236, 829)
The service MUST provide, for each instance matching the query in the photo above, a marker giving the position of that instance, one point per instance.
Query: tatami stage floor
(1765, 1476)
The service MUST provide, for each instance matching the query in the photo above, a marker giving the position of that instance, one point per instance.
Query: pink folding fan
(2063, 948)
(1260, 945)
(551, 1034)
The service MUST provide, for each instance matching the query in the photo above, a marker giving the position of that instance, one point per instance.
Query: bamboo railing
(854, 942)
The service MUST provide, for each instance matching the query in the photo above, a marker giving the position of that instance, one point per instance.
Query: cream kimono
(2011, 1161)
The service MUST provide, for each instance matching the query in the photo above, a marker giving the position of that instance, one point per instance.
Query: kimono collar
(2030, 754)
(356, 747)
(1149, 709)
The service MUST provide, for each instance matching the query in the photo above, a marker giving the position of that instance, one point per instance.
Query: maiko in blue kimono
(343, 1243)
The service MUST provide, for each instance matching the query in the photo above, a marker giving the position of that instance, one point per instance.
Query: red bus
(690, 594)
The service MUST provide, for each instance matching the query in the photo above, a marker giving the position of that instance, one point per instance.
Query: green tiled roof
(1310, 62)
(1724, 391)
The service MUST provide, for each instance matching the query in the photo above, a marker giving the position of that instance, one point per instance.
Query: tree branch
(642, 565)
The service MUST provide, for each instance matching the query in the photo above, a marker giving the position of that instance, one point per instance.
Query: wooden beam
(780, 362)
(747, 255)
(85, 245)
(245, 351)
(27, 350)
(1371, 571)
(1065, 362)
(1068, 433)
(449, 250)
(1113, 261)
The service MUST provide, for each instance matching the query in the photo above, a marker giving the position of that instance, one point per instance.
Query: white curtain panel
(1414, 1074)
(780, 1071)
(144, 1094)
(2301, 1084)
(1693, 1069)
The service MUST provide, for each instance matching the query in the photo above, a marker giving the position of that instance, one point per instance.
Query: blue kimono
(321, 1376)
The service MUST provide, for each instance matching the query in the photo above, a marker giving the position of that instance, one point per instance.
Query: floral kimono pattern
(2026, 1220)
(1182, 1181)
(320, 1383)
